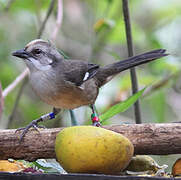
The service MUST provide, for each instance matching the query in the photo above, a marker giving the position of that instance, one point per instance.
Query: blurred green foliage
(155, 24)
(102, 40)
(120, 107)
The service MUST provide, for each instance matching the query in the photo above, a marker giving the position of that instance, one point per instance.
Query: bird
(69, 84)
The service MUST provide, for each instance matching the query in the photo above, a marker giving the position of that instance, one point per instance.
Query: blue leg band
(52, 115)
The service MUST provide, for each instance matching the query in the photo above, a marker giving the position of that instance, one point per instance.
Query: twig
(50, 9)
(160, 84)
(1, 101)
(74, 121)
(16, 102)
(10, 2)
(130, 53)
(8, 89)
(59, 19)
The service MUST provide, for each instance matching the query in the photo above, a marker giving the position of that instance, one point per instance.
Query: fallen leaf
(176, 168)
(11, 166)
(143, 164)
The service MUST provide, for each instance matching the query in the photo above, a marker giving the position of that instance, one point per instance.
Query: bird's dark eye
(36, 51)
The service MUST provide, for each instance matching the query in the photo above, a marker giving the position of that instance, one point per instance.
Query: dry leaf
(11, 166)
(176, 169)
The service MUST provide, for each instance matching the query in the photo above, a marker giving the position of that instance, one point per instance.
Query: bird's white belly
(65, 96)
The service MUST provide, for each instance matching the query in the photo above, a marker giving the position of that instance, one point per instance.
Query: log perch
(155, 139)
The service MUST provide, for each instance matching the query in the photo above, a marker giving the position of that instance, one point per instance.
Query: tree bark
(155, 139)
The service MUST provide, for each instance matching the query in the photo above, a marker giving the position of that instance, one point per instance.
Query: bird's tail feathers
(105, 73)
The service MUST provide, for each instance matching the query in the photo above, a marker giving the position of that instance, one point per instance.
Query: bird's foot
(33, 124)
(97, 124)
(95, 120)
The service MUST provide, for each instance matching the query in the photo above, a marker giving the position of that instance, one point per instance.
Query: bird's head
(39, 55)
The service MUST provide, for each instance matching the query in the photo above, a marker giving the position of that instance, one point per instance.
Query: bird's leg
(94, 117)
(34, 123)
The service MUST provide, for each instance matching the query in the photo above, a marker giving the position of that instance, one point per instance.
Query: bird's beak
(21, 54)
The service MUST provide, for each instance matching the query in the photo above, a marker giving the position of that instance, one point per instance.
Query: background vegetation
(94, 30)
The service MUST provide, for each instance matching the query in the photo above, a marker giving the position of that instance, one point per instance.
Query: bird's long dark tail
(105, 73)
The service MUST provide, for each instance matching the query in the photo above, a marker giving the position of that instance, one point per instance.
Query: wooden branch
(157, 139)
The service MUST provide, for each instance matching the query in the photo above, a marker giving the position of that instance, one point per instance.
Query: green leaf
(103, 24)
(63, 54)
(121, 107)
(48, 166)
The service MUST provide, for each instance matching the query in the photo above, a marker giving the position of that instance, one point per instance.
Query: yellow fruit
(89, 149)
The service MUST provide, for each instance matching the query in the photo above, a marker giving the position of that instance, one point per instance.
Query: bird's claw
(33, 124)
(95, 120)
(97, 124)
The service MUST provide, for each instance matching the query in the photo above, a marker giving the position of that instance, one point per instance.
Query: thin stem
(1, 101)
(17, 102)
(11, 86)
(74, 121)
(134, 81)
(10, 2)
(59, 19)
(160, 84)
(50, 9)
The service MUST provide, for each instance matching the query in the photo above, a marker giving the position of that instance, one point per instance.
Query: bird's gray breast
(54, 90)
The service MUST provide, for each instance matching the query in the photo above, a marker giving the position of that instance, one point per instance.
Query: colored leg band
(45, 117)
(52, 115)
(94, 117)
